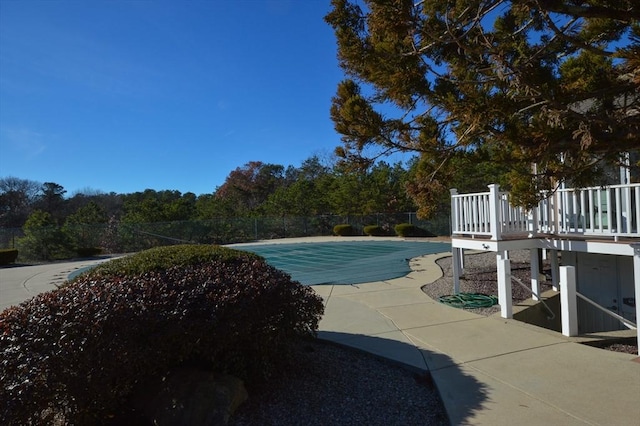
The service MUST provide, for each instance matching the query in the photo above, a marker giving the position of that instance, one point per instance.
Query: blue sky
(127, 95)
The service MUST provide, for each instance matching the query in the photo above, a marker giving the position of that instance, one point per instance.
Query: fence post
(255, 227)
(494, 211)
(568, 301)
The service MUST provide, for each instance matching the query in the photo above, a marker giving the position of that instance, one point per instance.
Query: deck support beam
(568, 301)
(555, 272)
(636, 280)
(456, 260)
(504, 284)
(535, 273)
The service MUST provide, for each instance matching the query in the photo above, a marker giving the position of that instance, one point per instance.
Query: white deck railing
(608, 211)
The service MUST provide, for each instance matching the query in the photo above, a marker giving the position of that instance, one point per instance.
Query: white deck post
(568, 301)
(636, 280)
(625, 178)
(554, 270)
(454, 211)
(494, 211)
(533, 222)
(504, 285)
(455, 260)
(555, 211)
(535, 273)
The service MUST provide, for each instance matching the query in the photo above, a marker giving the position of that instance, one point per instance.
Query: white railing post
(637, 227)
(534, 225)
(454, 211)
(494, 211)
(557, 210)
(620, 225)
(609, 212)
(636, 280)
(504, 284)
(628, 212)
(568, 301)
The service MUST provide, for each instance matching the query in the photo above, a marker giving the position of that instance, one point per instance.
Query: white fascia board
(583, 246)
(602, 247)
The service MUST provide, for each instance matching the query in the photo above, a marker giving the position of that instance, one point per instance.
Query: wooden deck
(600, 220)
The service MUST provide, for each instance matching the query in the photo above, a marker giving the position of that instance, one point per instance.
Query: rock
(189, 396)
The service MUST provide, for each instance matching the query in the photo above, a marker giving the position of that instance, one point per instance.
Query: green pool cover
(347, 263)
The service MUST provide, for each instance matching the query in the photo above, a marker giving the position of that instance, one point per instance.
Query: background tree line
(528, 94)
(53, 225)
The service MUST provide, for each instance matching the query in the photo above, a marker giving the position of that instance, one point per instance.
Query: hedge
(74, 354)
(8, 256)
(374, 230)
(409, 230)
(344, 230)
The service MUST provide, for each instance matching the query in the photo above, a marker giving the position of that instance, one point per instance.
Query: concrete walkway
(489, 371)
(21, 282)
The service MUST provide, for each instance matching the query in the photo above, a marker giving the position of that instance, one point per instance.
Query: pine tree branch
(625, 14)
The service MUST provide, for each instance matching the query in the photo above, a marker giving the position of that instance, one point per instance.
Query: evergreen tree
(551, 83)
(43, 239)
(51, 200)
(86, 226)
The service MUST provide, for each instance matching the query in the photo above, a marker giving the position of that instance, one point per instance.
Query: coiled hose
(469, 300)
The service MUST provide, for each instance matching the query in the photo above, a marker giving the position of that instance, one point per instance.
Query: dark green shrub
(374, 230)
(88, 251)
(8, 256)
(163, 258)
(344, 230)
(76, 353)
(409, 230)
(43, 239)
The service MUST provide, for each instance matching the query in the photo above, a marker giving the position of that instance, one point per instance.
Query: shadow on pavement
(16, 265)
(462, 395)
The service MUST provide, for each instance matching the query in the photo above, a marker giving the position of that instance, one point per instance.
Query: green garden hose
(469, 300)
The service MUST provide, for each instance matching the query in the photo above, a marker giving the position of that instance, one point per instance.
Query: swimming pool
(349, 262)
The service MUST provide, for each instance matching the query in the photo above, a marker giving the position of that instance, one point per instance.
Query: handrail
(517, 280)
(607, 211)
(629, 324)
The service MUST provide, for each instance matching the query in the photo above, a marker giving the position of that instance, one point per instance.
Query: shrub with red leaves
(73, 355)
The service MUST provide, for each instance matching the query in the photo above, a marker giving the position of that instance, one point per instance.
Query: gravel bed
(621, 347)
(333, 385)
(481, 277)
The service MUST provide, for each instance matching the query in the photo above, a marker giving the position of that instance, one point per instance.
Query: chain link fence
(118, 237)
